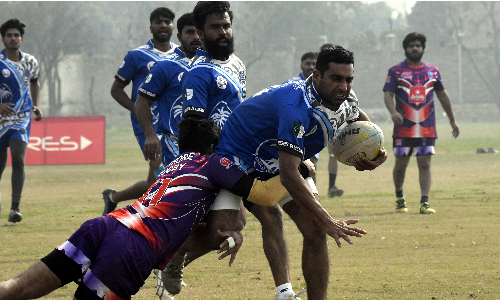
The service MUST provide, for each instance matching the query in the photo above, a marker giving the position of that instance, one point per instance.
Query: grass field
(454, 254)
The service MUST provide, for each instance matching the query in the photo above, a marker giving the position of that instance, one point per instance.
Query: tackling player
(110, 257)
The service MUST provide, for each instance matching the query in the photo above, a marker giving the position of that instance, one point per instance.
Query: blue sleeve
(128, 68)
(293, 124)
(155, 82)
(196, 85)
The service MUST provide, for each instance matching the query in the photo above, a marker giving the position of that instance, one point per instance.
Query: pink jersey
(414, 91)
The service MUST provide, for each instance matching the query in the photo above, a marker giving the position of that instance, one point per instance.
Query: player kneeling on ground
(102, 256)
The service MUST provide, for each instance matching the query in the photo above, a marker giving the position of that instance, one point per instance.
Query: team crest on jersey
(122, 65)
(5, 73)
(150, 64)
(188, 94)
(242, 75)
(148, 78)
(221, 82)
(226, 162)
(298, 130)
(430, 74)
(5, 92)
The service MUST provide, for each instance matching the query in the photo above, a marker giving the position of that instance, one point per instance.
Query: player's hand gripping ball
(356, 140)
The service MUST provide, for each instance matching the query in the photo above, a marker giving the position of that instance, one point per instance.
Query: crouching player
(111, 256)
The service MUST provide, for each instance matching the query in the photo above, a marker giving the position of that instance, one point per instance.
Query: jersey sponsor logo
(242, 75)
(408, 75)
(221, 82)
(417, 94)
(121, 77)
(148, 78)
(194, 109)
(430, 74)
(188, 94)
(5, 73)
(150, 64)
(388, 79)
(5, 92)
(295, 148)
(122, 65)
(146, 92)
(298, 130)
(399, 142)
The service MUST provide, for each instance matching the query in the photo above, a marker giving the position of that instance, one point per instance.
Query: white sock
(284, 291)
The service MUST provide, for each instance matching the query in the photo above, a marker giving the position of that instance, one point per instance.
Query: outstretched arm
(298, 189)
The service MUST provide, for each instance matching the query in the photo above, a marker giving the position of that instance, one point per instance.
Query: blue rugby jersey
(287, 117)
(29, 70)
(135, 67)
(14, 90)
(213, 88)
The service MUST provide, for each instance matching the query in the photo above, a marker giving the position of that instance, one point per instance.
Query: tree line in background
(270, 38)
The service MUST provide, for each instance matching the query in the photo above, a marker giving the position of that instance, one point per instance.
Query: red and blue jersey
(414, 92)
(179, 199)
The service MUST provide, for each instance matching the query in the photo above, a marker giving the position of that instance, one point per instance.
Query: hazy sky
(400, 6)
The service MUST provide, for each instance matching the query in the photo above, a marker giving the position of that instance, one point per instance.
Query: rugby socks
(284, 291)
(399, 194)
(331, 182)
(424, 199)
(15, 206)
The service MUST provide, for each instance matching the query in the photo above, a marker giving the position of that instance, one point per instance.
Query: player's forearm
(118, 93)
(389, 102)
(445, 101)
(35, 92)
(143, 113)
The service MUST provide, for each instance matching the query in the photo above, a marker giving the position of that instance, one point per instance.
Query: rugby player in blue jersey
(135, 67)
(162, 87)
(16, 105)
(272, 132)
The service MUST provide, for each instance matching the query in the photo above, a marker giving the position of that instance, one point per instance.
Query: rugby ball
(356, 140)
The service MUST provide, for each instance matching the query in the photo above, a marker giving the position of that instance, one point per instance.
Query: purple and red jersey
(179, 199)
(414, 91)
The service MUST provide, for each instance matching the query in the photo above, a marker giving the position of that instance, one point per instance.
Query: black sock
(15, 206)
(424, 199)
(399, 194)
(333, 177)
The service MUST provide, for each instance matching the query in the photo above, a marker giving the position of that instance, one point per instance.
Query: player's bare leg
(274, 242)
(399, 171)
(35, 282)
(315, 254)
(424, 174)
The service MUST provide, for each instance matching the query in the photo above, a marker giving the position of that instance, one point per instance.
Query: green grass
(454, 254)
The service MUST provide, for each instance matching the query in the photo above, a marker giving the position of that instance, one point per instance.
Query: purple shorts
(115, 260)
(413, 146)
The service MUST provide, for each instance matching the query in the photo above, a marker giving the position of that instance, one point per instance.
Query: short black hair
(205, 8)
(161, 12)
(336, 54)
(185, 20)
(414, 36)
(313, 55)
(324, 46)
(197, 135)
(12, 23)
